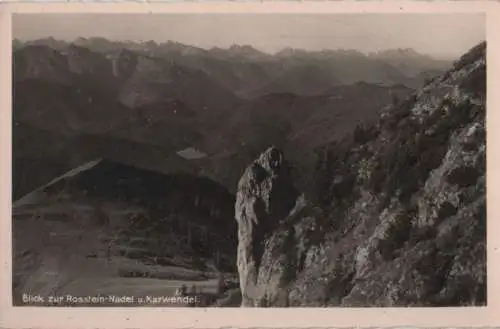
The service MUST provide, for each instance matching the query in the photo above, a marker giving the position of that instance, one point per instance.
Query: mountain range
(174, 96)
(116, 136)
(249, 72)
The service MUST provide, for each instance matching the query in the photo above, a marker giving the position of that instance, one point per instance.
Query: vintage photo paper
(249, 164)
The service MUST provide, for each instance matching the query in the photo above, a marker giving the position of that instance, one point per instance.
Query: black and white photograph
(249, 160)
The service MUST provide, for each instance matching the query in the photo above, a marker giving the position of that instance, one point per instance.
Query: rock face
(265, 196)
(404, 219)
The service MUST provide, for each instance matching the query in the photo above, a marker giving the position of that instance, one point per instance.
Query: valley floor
(59, 251)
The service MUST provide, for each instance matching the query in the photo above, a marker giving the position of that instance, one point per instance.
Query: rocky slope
(398, 213)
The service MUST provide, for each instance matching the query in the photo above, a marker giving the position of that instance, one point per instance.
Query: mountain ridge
(227, 64)
(159, 103)
(235, 46)
(351, 193)
(399, 214)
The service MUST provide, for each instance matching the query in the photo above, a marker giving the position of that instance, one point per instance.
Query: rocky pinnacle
(265, 196)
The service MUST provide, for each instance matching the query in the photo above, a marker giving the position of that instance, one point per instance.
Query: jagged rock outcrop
(405, 217)
(265, 196)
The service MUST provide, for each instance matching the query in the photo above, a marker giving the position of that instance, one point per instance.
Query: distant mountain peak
(289, 51)
(151, 43)
(244, 50)
(174, 46)
(80, 40)
(235, 46)
(399, 52)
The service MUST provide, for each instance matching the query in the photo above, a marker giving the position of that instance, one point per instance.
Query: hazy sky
(435, 34)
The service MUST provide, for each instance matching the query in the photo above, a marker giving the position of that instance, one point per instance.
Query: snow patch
(191, 153)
